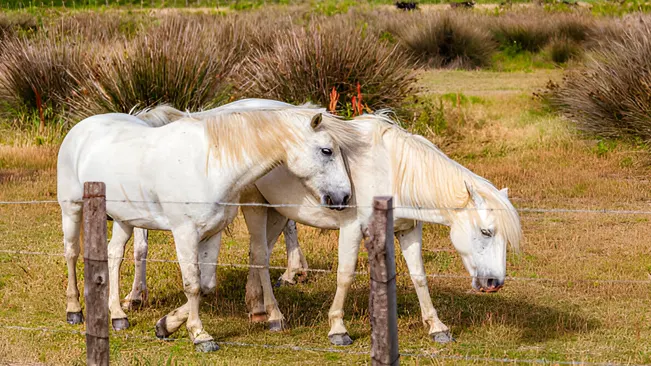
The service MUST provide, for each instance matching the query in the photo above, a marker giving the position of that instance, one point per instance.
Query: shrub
(611, 95)
(561, 50)
(449, 40)
(306, 63)
(182, 62)
(11, 24)
(521, 31)
(40, 74)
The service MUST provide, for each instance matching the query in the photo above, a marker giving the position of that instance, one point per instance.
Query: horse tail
(160, 116)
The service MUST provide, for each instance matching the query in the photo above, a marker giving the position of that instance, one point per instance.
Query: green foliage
(431, 118)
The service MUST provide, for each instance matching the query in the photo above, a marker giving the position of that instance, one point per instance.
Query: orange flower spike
(334, 99)
(360, 107)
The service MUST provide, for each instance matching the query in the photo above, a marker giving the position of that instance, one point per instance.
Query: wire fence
(293, 205)
(331, 271)
(439, 355)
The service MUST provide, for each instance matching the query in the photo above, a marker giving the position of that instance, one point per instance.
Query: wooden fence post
(96, 274)
(382, 300)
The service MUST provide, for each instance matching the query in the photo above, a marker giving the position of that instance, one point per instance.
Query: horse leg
(349, 241)
(71, 223)
(139, 294)
(256, 217)
(411, 247)
(187, 252)
(121, 234)
(254, 297)
(208, 255)
(296, 263)
(275, 224)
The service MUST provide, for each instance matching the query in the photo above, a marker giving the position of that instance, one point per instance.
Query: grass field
(494, 127)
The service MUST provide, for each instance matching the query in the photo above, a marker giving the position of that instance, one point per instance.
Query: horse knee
(419, 281)
(345, 278)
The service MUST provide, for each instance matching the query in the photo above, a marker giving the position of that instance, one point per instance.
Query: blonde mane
(264, 134)
(160, 115)
(423, 176)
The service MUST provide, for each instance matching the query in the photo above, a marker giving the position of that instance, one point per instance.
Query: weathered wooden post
(96, 274)
(382, 300)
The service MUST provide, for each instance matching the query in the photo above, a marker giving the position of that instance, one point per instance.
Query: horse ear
(505, 192)
(316, 121)
(476, 198)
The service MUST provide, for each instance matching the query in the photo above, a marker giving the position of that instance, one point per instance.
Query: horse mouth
(490, 289)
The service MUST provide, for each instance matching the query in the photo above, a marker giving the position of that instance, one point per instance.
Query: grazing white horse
(427, 186)
(175, 178)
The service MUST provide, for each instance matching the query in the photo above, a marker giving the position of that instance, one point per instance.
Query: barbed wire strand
(540, 361)
(318, 270)
(292, 205)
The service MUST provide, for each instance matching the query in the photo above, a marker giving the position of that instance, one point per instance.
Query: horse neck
(426, 185)
(248, 148)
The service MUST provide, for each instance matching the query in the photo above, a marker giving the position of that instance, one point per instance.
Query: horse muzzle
(487, 284)
(336, 201)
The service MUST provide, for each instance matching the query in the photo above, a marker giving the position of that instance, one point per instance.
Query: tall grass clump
(562, 50)
(611, 95)
(180, 62)
(449, 39)
(522, 31)
(40, 75)
(306, 63)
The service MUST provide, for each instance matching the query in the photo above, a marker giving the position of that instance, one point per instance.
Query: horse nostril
(346, 199)
(328, 200)
(491, 282)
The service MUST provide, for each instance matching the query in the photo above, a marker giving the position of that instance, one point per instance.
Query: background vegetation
(550, 100)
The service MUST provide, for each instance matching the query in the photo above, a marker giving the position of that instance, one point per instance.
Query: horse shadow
(307, 304)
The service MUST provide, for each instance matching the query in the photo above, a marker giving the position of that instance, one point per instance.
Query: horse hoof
(283, 282)
(258, 318)
(120, 324)
(340, 339)
(209, 346)
(442, 337)
(276, 325)
(75, 318)
(161, 328)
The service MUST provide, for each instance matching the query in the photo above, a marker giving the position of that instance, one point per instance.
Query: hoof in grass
(75, 318)
(276, 325)
(258, 318)
(120, 324)
(161, 328)
(442, 337)
(204, 347)
(283, 283)
(340, 339)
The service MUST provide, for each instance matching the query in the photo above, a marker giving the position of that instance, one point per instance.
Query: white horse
(175, 178)
(427, 186)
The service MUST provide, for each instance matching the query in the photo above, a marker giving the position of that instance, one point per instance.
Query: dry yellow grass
(538, 156)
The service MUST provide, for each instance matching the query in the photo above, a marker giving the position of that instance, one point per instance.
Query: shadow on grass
(306, 305)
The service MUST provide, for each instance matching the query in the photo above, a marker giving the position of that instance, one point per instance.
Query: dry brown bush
(306, 63)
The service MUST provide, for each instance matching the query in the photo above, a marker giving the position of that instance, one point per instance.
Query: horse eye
(486, 233)
(326, 152)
